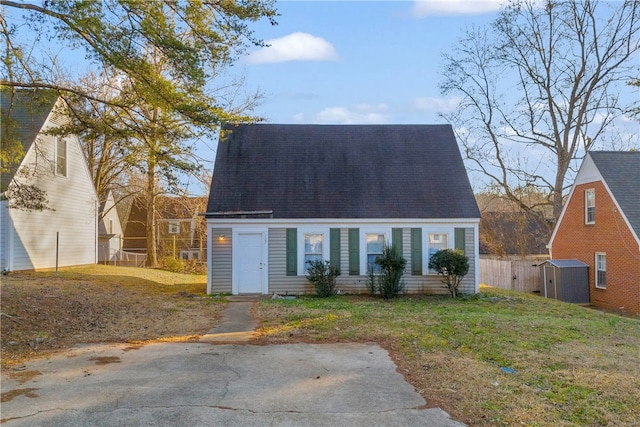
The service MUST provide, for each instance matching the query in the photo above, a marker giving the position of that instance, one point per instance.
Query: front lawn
(44, 311)
(497, 358)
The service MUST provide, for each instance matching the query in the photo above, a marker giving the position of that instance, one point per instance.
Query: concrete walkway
(237, 324)
(208, 383)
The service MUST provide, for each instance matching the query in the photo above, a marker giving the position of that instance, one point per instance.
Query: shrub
(172, 264)
(452, 265)
(372, 284)
(323, 276)
(389, 281)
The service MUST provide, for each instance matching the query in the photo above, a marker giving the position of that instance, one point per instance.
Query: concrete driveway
(200, 384)
(208, 383)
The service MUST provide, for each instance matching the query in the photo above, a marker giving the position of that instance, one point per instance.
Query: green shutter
(396, 238)
(292, 252)
(334, 248)
(416, 251)
(354, 251)
(460, 239)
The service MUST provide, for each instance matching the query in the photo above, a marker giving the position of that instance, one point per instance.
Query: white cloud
(436, 105)
(423, 8)
(294, 47)
(359, 114)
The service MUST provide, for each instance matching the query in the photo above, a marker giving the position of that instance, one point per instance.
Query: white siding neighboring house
(283, 194)
(65, 232)
(110, 233)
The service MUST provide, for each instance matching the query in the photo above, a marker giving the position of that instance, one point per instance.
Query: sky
(352, 62)
(338, 62)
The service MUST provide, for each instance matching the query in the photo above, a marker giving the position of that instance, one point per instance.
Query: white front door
(249, 263)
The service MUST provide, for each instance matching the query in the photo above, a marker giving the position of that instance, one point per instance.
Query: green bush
(452, 265)
(389, 281)
(323, 276)
(172, 264)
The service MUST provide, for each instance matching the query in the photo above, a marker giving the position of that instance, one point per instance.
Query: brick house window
(590, 206)
(174, 227)
(601, 270)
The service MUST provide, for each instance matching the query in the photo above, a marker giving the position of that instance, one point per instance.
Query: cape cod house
(600, 226)
(61, 228)
(285, 194)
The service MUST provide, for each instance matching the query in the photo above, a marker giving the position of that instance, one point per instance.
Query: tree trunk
(152, 250)
(558, 187)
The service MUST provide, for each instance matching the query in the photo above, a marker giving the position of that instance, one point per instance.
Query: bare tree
(538, 88)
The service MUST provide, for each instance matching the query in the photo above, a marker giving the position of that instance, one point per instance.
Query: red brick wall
(609, 234)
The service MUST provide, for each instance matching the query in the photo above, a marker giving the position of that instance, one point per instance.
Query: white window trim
(363, 243)
(173, 223)
(302, 269)
(586, 207)
(449, 231)
(597, 254)
(192, 254)
(56, 140)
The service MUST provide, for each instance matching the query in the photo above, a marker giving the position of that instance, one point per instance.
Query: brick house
(180, 231)
(600, 226)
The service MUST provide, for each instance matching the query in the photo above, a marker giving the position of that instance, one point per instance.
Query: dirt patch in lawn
(44, 312)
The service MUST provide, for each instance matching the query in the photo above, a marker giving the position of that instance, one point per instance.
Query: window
(436, 242)
(61, 157)
(374, 243)
(189, 255)
(110, 226)
(590, 206)
(174, 227)
(311, 243)
(313, 248)
(601, 270)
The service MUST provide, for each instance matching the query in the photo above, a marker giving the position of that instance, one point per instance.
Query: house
(519, 234)
(110, 233)
(48, 212)
(285, 194)
(180, 231)
(507, 231)
(600, 226)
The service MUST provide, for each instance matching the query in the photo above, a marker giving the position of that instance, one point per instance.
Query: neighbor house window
(374, 244)
(436, 242)
(110, 226)
(601, 270)
(61, 157)
(189, 255)
(174, 227)
(590, 206)
(313, 246)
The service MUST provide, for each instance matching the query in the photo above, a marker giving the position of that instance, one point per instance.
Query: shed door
(550, 286)
(250, 265)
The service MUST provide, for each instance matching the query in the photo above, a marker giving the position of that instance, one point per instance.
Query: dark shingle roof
(342, 171)
(22, 115)
(621, 172)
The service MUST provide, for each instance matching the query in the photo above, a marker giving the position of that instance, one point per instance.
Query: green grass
(573, 365)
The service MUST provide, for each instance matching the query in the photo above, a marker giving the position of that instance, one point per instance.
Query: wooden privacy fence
(517, 275)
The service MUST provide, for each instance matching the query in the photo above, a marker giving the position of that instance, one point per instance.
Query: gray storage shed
(565, 280)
